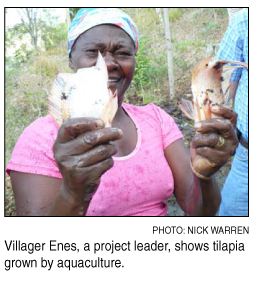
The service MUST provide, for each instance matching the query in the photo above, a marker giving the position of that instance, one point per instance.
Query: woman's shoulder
(43, 125)
(41, 133)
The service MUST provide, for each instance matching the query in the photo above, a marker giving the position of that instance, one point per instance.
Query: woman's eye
(92, 51)
(124, 54)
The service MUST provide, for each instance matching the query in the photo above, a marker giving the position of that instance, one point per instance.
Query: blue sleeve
(231, 47)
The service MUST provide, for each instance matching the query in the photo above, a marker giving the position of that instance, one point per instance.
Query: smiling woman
(117, 49)
(130, 169)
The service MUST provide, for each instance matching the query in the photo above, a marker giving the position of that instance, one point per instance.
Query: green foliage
(175, 14)
(148, 68)
(73, 12)
(52, 35)
(44, 66)
(221, 12)
(144, 18)
(13, 34)
(23, 54)
(142, 65)
(150, 73)
(182, 47)
(209, 27)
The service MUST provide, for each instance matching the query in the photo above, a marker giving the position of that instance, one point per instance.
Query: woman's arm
(37, 195)
(34, 194)
(195, 196)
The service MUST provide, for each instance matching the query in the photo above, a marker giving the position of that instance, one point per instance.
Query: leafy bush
(175, 14)
(53, 35)
(44, 66)
(141, 76)
(150, 72)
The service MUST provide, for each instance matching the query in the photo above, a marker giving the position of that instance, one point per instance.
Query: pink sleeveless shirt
(137, 185)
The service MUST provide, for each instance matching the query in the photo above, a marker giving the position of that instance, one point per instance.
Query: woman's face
(117, 49)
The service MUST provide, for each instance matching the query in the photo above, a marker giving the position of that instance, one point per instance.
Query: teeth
(113, 80)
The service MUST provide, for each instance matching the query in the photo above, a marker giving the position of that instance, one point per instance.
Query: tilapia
(83, 94)
(209, 85)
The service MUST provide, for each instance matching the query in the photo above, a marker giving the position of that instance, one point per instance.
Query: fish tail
(187, 108)
(110, 109)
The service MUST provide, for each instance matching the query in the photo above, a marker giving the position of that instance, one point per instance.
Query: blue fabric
(235, 192)
(234, 46)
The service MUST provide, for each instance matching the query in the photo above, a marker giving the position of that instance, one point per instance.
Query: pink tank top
(137, 185)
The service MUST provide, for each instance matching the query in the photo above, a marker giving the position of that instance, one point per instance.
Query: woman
(126, 170)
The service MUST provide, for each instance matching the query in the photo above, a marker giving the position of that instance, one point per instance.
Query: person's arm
(196, 196)
(37, 195)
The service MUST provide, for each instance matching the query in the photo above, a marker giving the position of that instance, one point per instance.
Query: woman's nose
(110, 61)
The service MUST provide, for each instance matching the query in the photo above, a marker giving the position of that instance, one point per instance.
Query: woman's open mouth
(113, 81)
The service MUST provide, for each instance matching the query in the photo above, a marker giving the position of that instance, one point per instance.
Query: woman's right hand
(83, 151)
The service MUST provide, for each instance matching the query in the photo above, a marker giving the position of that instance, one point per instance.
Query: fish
(83, 94)
(209, 85)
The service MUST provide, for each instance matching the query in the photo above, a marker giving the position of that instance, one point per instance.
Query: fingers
(207, 139)
(225, 112)
(94, 172)
(87, 141)
(223, 126)
(214, 156)
(95, 155)
(78, 135)
(74, 127)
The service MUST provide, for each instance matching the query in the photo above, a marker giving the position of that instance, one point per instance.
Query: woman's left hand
(214, 142)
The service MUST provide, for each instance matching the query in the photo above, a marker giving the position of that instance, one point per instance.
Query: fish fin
(57, 99)
(110, 109)
(238, 64)
(225, 78)
(225, 86)
(187, 108)
(101, 65)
